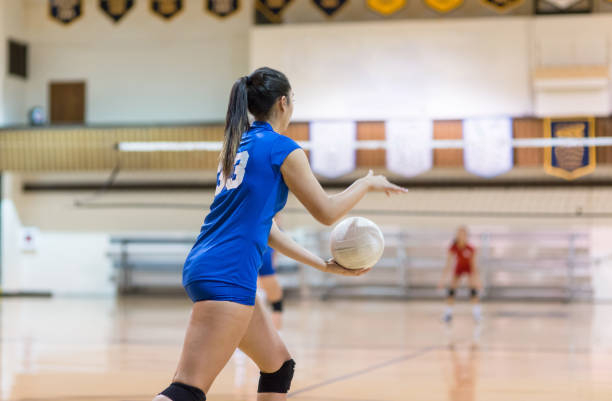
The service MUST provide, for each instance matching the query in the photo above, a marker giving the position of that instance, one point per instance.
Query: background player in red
(463, 256)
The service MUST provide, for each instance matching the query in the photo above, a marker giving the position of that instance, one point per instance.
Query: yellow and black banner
(166, 9)
(116, 9)
(569, 162)
(329, 7)
(501, 6)
(272, 9)
(386, 7)
(444, 6)
(222, 8)
(65, 11)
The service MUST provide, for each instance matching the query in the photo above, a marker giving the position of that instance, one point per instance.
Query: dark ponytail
(236, 123)
(256, 93)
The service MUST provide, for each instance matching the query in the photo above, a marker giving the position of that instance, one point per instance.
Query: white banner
(409, 150)
(332, 147)
(563, 4)
(487, 149)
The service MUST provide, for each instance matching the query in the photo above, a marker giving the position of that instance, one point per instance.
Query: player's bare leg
(450, 299)
(475, 299)
(265, 347)
(214, 332)
(274, 295)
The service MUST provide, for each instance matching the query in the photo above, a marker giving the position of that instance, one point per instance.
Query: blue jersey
(234, 236)
(267, 267)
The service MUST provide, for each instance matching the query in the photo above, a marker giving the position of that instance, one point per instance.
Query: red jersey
(463, 258)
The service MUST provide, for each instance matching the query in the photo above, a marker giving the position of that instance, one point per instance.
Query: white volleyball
(357, 243)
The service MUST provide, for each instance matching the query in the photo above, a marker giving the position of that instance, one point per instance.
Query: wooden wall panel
(78, 149)
(371, 131)
(528, 128)
(451, 129)
(603, 127)
(299, 132)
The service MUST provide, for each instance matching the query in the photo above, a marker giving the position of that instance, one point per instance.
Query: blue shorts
(267, 267)
(207, 290)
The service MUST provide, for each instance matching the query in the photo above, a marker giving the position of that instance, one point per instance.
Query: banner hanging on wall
(487, 146)
(222, 8)
(386, 7)
(569, 162)
(332, 147)
(502, 6)
(408, 143)
(563, 6)
(65, 11)
(166, 9)
(329, 7)
(116, 9)
(444, 6)
(272, 9)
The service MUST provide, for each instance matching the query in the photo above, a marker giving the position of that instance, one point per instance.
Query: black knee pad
(451, 292)
(279, 381)
(474, 292)
(183, 392)
(277, 306)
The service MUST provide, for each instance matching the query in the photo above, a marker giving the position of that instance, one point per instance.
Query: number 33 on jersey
(235, 180)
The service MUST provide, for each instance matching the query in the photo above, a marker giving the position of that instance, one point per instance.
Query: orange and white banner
(332, 147)
(409, 146)
(487, 146)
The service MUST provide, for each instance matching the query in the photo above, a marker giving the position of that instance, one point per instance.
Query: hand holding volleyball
(331, 266)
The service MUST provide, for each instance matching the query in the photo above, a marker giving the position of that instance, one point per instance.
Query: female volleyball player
(268, 282)
(463, 256)
(257, 167)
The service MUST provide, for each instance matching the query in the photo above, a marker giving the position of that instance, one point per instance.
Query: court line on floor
(368, 369)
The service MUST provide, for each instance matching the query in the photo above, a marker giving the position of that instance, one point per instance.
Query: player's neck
(275, 123)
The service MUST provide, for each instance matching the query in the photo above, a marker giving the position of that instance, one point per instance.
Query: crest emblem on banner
(501, 5)
(487, 146)
(569, 162)
(116, 9)
(332, 147)
(386, 7)
(222, 8)
(329, 7)
(166, 8)
(272, 9)
(409, 147)
(443, 6)
(65, 11)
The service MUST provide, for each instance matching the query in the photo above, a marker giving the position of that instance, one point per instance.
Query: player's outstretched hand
(381, 183)
(332, 267)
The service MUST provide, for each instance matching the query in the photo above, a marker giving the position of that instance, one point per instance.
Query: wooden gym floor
(126, 350)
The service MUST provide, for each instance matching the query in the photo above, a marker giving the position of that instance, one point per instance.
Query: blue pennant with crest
(116, 9)
(330, 7)
(569, 162)
(65, 11)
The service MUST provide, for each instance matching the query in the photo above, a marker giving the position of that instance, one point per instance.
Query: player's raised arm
(328, 209)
